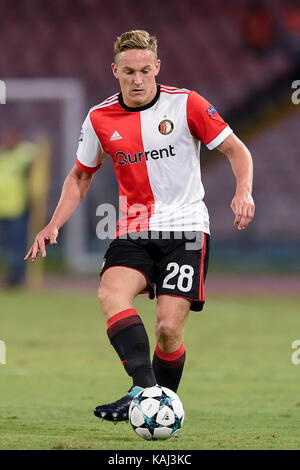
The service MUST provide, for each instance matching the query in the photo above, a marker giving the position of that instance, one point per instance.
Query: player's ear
(157, 66)
(114, 70)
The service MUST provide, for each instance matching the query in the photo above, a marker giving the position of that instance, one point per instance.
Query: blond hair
(135, 39)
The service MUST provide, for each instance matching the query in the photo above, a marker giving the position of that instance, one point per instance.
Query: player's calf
(128, 336)
(168, 367)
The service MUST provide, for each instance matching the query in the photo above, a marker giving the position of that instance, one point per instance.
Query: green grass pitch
(240, 389)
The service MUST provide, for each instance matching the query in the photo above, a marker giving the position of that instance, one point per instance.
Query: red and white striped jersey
(156, 155)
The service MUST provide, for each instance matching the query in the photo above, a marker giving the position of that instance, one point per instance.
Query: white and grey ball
(156, 413)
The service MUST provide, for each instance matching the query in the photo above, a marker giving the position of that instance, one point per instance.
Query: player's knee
(112, 299)
(104, 297)
(166, 329)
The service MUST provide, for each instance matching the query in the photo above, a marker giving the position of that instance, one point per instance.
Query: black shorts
(173, 263)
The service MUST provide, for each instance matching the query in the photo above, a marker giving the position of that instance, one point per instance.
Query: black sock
(128, 336)
(168, 367)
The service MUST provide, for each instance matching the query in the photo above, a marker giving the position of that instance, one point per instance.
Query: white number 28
(185, 278)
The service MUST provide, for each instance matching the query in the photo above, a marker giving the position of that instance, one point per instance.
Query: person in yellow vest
(16, 158)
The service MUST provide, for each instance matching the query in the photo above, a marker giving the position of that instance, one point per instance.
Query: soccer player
(153, 134)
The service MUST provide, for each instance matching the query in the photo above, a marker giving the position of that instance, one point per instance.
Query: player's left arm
(242, 166)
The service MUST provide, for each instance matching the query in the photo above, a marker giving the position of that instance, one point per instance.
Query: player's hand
(243, 208)
(49, 234)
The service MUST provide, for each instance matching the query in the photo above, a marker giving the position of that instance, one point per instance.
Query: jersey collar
(140, 108)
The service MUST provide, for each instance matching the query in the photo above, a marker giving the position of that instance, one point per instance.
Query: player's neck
(150, 101)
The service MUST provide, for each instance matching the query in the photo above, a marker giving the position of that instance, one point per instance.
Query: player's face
(136, 70)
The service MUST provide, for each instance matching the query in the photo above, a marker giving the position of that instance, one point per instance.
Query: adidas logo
(116, 136)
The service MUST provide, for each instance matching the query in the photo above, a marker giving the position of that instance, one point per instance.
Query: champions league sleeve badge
(211, 111)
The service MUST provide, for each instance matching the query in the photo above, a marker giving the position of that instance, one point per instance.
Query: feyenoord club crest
(165, 127)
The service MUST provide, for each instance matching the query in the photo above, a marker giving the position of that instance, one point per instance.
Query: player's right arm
(90, 156)
(74, 189)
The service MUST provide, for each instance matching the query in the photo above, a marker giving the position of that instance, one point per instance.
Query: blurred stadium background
(242, 56)
(240, 388)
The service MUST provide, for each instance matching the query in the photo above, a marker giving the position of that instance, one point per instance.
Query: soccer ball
(156, 413)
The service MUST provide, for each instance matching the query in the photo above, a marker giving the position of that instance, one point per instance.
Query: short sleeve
(89, 148)
(204, 121)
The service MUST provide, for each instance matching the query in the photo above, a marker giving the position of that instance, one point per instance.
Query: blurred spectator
(16, 158)
(258, 27)
(291, 28)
